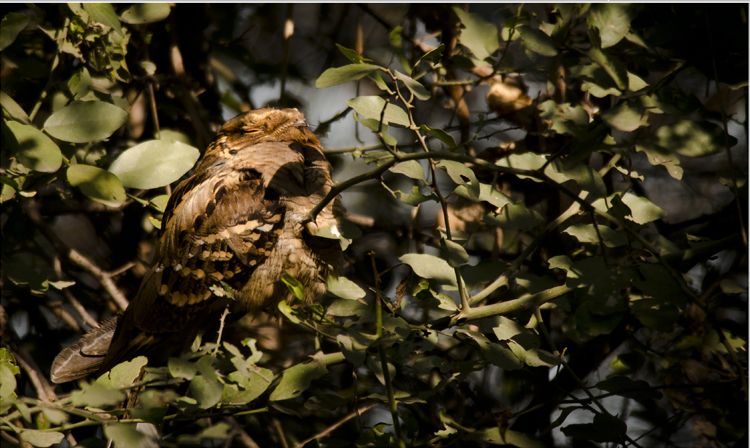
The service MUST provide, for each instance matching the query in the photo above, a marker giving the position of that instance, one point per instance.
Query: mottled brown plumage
(229, 232)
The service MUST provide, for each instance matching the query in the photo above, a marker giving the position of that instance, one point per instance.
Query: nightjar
(229, 233)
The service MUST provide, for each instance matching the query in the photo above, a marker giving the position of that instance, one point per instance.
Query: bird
(230, 231)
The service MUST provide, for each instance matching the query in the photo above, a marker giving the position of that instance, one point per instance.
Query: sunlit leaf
(33, 149)
(430, 267)
(372, 107)
(339, 75)
(666, 159)
(410, 168)
(125, 373)
(612, 20)
(344, 288)
(13, 109)
(145, 13)
(11, 26)
(96, 395)
(154, 163)
(478, 35)
(538, 42)
(98, 184)
(693, 138)
(297, 379)
(642, 211)
(588, 233)
(40, 438)
(625, 117)
(414, 86)
(85, 121)
(103, 13)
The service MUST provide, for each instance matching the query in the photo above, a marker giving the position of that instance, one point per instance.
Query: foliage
(521, 274)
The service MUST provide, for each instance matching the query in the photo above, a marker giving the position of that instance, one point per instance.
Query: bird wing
(219, 225)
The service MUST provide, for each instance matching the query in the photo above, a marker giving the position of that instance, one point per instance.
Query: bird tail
(85, 356)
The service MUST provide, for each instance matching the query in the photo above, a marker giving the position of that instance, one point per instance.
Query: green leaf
(40, 438)
(538, 41)
(487, 193)
(13, 109)
(297, 379)
(352, 55)
(612, 20)
(507, 329)
(98, 184)
(410, 168)
(493, 352)
(642, 211)
(8, 371)
(517, 216)
(126, 435)
(430, 267)
(587, 178)
(124, 374)
(564, 118)
(145, 13)
(295, 286)
(154, 163)
(339, 75)
(11, 26)
(666, 159)
(344, 288)
(103, 13)
(627, 387)
(478, 35)
(85, 121)
(533, 357)
(587, 233)
(435, 55)
(692, 138)
(454, 253)
(439, 134)
(206, 389)
(96, 395)
(625, 117)
(414, 86)
(605, 428)
(346, 308)
(33, 149)
(614, 67)
(461, 175)
(181, 368)
(372, 107)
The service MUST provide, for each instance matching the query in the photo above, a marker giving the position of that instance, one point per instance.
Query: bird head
(268, 124)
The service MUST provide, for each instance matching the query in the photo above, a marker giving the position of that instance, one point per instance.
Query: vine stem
(392, 404)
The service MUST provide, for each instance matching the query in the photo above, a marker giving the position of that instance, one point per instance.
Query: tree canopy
(546, 234)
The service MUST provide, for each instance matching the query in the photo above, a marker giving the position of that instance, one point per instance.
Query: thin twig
(280, 432)
(104, 278)
(337, 424)
(222, 319)
(43, 389)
